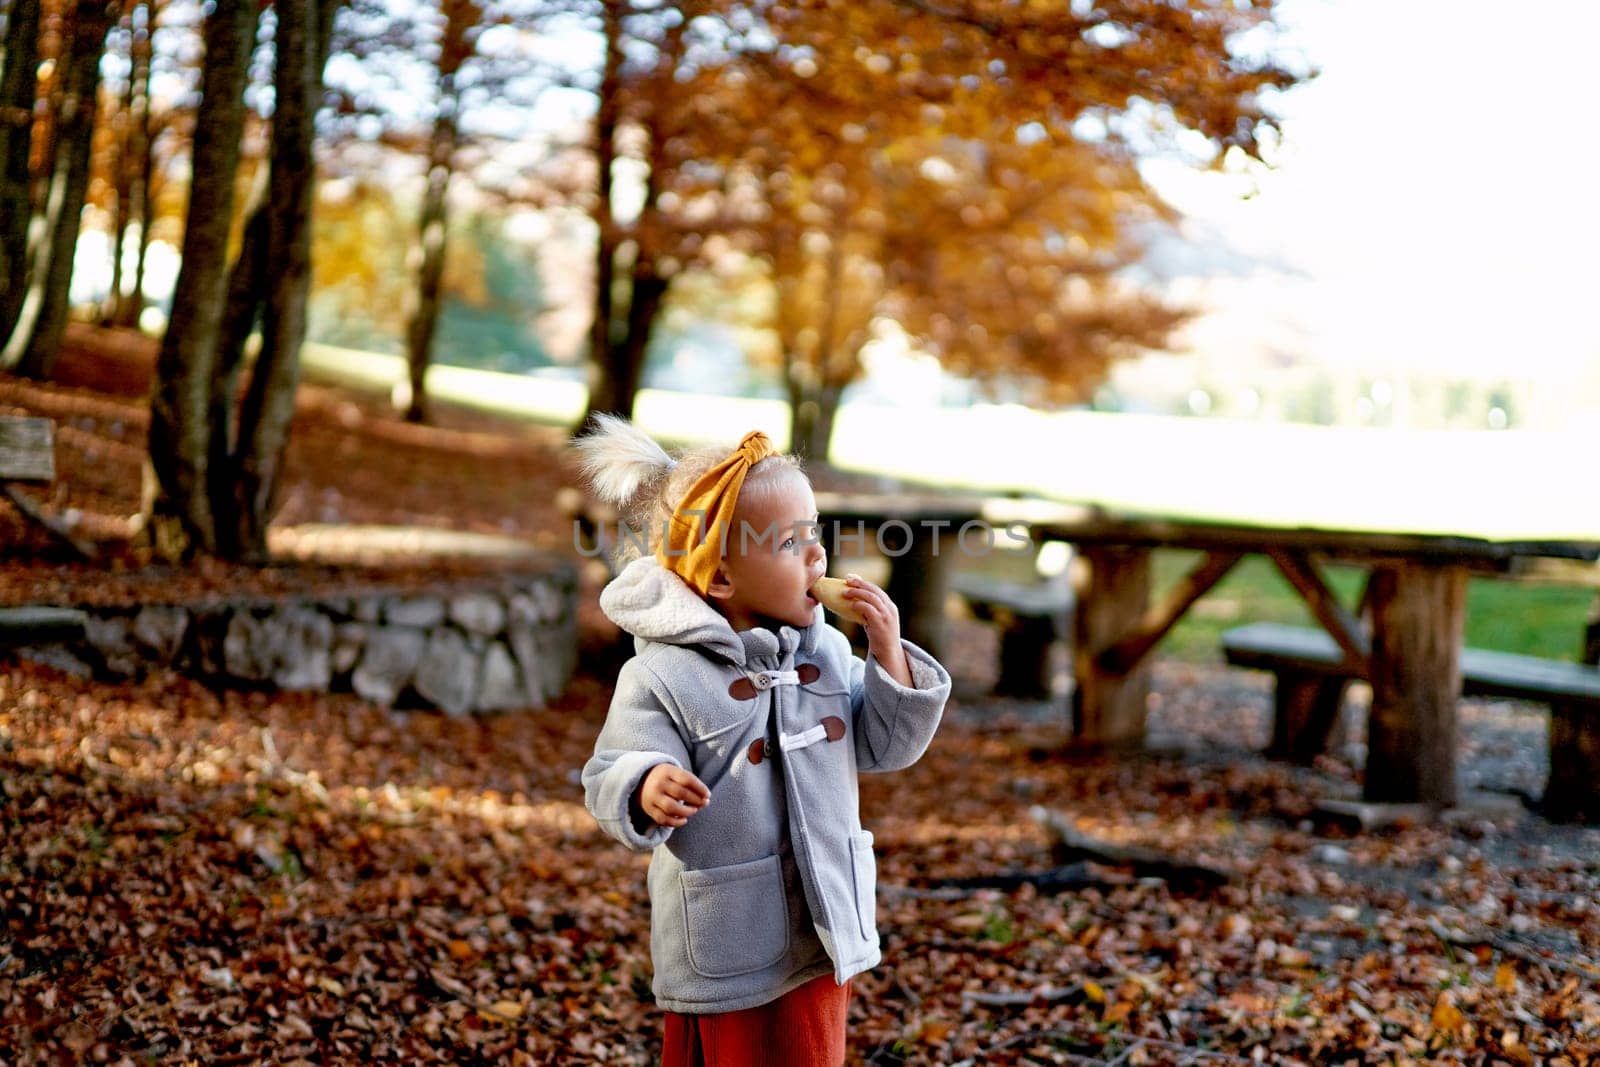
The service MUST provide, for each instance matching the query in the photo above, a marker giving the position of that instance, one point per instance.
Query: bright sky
(1435, 193)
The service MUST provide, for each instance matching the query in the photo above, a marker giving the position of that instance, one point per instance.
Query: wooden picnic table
(1409, 651)
(1408, 644)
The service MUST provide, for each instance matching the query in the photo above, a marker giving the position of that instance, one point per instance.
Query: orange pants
(803, 1028)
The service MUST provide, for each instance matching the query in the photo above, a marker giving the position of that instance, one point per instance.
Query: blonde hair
(626, 468)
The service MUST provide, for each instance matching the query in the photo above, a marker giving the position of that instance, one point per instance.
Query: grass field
(1535, 619)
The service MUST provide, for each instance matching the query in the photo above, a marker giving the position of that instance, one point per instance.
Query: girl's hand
(882, 626)
(669, 795)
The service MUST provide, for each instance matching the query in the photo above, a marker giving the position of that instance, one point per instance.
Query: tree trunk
(814, 397)
(620, 360)
(132, 308)
(799, 386)
(181, 429)
(434, 234)
(18, 87)
(621, 363)
(122, 179)
(247, 280)
(36, 340)
(646, 291)
(827, 417)
(303, 33)
(812, 414)
(456, 46)
(608, 393)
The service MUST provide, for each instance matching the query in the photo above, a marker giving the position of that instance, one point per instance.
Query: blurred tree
(184, 441)
(140, 175)
(131, 160)
(1001, 259)
(301, 45)
(360, 247)
(998, 253)
(1035, 290)
(645, 83)
(450, 62)
(32, 78)
(739, 115)
(216, 451)
(462, 24)
(18, 86)
(491, 295)
(492, 300)
(723, 308)
(495, 69)
(613, 389)
(823, 241)
(35, 335)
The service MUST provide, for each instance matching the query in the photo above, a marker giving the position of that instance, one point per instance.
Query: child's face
(773, 555)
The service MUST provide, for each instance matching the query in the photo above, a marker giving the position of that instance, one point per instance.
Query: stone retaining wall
(489, 644)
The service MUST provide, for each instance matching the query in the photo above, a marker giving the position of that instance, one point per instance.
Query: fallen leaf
(506, 1009)
(1447, 1018)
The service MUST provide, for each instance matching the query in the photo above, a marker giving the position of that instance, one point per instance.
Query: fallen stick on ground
(1023, 999)
(1050, 881)
(1068, 846)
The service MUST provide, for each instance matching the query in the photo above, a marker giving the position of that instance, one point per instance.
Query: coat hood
(653, 604)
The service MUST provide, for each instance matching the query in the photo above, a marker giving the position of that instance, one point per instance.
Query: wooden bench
(1312, 673)
(27, 454)
(1031, 616)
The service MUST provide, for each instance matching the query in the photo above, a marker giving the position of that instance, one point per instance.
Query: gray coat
(772, 883)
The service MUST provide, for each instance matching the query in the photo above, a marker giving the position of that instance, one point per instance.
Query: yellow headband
(692, 548)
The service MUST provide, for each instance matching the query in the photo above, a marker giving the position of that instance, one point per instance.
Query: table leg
(919, 582)
(1108, 705)
(1573, 791)
(1305, 716)
(1418, 612)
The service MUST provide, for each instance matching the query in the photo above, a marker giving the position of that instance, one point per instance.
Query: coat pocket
(735, 918)
(865, 868)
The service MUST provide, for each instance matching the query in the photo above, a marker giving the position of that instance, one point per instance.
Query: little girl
(732, 744)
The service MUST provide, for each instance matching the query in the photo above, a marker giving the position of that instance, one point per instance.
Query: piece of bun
(830, 591)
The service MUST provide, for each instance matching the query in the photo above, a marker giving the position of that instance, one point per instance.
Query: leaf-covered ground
(216, 877)
(194, 876)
